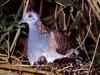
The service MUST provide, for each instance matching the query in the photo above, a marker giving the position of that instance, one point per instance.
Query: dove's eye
(30, 16)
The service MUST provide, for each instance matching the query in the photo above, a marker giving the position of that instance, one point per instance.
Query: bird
(44, 44)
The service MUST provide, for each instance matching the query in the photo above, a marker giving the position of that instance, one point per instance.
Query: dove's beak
(24, 27)
(23, 23)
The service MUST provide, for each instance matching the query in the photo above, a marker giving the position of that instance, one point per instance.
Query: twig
(5, 2)
(17, 15)
(82, 7)
(41, 8)
(94, 10)
(5, 57)
(57, 12)
(78, 39)
(25, 9)
(94, 52)
(64, 20)
(86, 52)
(72, 14)
(24, 69)
(22, 55)
(60, 4)
(55, 16)
(8, 42)
(90, 32)
(3, 36)
(86, 33)
(64, 68)
(96, 5)
(15, 39)
(93, 37)
(1, 11)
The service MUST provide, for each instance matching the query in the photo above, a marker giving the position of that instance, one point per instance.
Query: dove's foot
(41, 61)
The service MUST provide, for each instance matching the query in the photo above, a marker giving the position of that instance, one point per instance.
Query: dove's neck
(33, 31)
(33, 27)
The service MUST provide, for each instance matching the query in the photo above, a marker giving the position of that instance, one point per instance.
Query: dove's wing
(63, 43)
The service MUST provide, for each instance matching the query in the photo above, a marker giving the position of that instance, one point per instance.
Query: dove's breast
(38, 45)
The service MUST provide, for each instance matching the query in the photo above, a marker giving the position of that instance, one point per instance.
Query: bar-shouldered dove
(48, 44)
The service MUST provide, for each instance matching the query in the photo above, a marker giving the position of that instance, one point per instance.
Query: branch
(94, 52)
(94, 10)
(22, 68)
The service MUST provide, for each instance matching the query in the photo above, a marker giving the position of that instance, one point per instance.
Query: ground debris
(55, 68)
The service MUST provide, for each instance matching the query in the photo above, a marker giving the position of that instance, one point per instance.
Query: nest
(64, 66)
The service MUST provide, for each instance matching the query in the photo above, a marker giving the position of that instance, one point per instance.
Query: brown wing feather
(63, 43)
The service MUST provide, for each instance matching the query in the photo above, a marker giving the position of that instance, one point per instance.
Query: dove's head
(31, 18)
